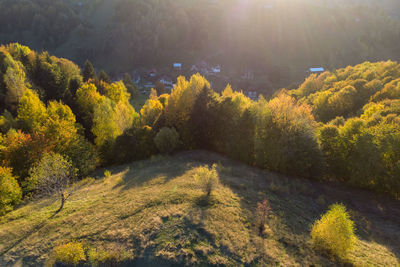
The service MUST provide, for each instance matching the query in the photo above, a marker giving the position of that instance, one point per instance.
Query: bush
(334, 232)
(98, 257)
(10, 192)
(134, 144)
(208, 178)
(263, 209)
(71, 253)
(167, 140)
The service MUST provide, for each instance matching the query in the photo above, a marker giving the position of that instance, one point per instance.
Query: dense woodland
(278, 40)
(340, 126)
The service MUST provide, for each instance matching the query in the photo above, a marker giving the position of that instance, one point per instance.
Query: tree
(103, 76)
(151, 110)
(20, 151)
(15, 82)
(130, 85)
(286, 139)
(167, 140)
(10, 191)
(31, 112)
(88, 72)
(135, 144)
(202, 120)
(160, 88)
(52, 174)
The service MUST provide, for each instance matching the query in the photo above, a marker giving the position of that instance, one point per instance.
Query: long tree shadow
(34, 230)
(166, 168)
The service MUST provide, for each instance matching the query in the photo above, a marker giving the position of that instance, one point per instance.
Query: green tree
(52, 175)
(130, 85)
(167, 140)
(286, 139)
(202, 120)
(103, 76)
(10, 191)
(134, 144)
(88, 72)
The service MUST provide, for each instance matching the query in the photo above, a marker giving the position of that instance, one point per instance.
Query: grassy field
(153, 210)
(138, 101)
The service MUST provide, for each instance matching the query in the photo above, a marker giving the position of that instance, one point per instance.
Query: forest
(199, 133)
(341, 126)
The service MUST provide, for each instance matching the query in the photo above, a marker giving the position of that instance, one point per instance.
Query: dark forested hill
(277, 40)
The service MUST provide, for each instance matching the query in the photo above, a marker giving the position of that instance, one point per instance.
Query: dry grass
(151, 210)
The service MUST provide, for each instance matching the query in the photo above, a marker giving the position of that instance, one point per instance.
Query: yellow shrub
(100, 256)
(71, 253)
(334, 232)
(208, 178)
(107, 173)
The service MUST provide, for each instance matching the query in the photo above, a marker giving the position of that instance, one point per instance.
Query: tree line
(342, 125)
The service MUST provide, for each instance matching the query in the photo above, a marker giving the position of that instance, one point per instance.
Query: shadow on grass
(294, 201)
(34, 230)
(142, 172)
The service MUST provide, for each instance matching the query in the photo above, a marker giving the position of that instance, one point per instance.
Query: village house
(216, 69)
(166, 80)
(316, 70)
(152, 73)
(177, 66)
(248, 75)
(253, 95)
(204, 68)
(194, 68)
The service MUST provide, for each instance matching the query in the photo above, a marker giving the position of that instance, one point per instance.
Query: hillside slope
(153, 210)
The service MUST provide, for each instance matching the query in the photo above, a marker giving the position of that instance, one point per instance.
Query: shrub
(98, 257)
(71, 253)
(334, 232)
(10, 192)
(208, 178)
(167, 140)
(137, 140)
(107, 173)
(263, 208)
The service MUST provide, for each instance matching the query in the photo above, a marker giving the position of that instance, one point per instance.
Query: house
(248, 75)
(166, 80)
(316, 70)
(177, 66)
(153, 72)
(136, 79)
(203, 67)
(252, 95)
(216, 69)
(148, 85)
(194, 68)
